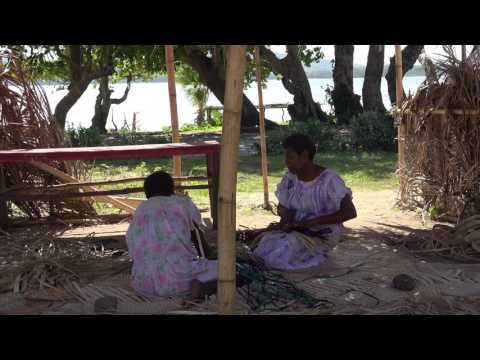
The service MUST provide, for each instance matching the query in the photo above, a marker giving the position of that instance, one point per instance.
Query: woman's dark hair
(158, 183)
(300, 143)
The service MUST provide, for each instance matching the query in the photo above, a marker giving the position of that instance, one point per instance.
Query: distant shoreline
(164, 79)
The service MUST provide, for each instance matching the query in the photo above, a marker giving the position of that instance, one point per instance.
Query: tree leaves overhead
(51, 62)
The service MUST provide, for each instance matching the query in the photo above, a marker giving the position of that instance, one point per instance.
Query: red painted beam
(110, 152)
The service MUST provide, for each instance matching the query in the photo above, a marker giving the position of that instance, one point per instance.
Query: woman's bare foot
(196, 291)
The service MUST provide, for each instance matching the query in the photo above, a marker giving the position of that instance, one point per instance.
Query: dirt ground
(376, 210)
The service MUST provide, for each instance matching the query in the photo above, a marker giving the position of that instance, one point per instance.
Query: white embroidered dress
(319, 197)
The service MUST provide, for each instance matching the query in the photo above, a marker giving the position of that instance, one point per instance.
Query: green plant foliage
(323, 135)
(196, 92)
(216, 118)
(83, 137)
(373, 131)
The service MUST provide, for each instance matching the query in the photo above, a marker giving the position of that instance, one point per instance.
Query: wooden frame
(39, 157)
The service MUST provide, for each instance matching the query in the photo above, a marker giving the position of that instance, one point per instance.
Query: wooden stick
(177, 160)
(25, 196)
(3, 203)
(70, 179)
(134, 202)
(263, 141)
(106, 182)
(235, 73)
(213, 171)
(399, 76)
(464, 53)
(401, 129)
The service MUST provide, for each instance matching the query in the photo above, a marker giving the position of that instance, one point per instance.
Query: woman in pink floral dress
(165, 261)
(313, 201)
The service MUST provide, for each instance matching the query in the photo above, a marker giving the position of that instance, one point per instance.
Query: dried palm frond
(34, 262)
(459, 243)
(26, 122)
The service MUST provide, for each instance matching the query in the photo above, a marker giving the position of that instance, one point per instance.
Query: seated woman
(313, 202)
(165, 262)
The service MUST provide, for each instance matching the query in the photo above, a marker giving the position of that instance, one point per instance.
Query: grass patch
(361, 171)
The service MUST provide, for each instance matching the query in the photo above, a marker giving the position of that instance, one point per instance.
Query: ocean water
(151, 103)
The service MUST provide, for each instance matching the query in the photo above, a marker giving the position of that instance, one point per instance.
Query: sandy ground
(376, 213)
(378, 221)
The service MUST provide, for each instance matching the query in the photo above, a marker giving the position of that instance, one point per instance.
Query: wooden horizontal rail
(110, 152)
(99, 183)
(437, 112)
(19, 196)
(268, 106)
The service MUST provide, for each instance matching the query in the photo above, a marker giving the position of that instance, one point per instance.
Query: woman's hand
(294, 225)
(286, 215)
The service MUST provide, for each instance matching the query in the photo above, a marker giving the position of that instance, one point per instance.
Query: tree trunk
(82, 73)
(201, 115)
(371, 91)
(345, 101)
(295, 81)
(410, 55)
(104, 102)
(75, 90)
(213, 77)
(102, 106)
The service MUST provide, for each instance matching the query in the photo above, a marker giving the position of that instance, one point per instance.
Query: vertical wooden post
(3, 203)
(401, 128)
(263, 142)
(235, 74)
(213, 162)
(177, 160)
(464, 52)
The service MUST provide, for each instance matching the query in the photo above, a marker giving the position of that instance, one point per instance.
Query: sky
(361, 51)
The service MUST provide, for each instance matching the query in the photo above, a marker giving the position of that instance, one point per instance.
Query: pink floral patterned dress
(321, 196)
(159, 242)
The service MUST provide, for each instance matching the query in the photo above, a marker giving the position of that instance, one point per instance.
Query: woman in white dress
(313, 204)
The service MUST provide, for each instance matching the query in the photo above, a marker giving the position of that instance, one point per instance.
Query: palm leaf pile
(26, 122)
(37, 264)
(442, 139)
(458, 243)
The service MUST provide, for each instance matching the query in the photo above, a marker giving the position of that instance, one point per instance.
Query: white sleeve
(337, 190)
(283, 190)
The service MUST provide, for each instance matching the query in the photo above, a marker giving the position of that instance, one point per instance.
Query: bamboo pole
(177, 160)
(235, 74)
(398, 105)
(263, 141)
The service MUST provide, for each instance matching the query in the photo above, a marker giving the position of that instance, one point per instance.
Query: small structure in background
(439, 131)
